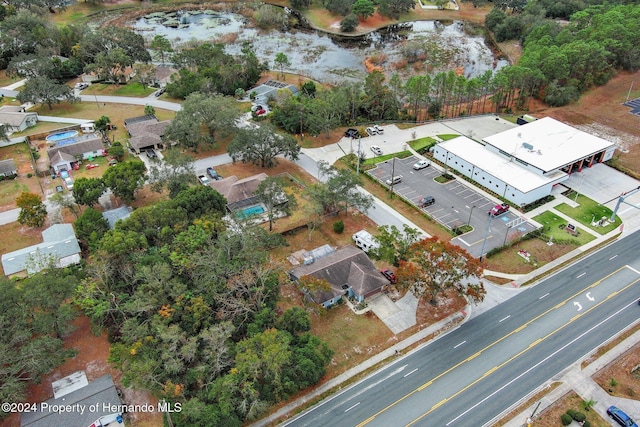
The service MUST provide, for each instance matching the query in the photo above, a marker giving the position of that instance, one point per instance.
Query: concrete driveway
(399, 315)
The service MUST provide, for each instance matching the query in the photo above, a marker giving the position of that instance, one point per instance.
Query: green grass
(448, 136)
(441, 179)
(554, 224)
(587, 211)
(380, 159)
(422, 143)
(130, 89)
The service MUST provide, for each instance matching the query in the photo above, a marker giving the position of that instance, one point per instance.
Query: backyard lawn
(130, 89)
(588, 211)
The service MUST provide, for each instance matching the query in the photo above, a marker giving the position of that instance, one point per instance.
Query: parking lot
(456, 203)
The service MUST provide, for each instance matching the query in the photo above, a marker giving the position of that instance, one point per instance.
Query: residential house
(96, 403)
(146, 132)
(64, 154)
(8, 168)
(348, 270)
(239, 192)
(162, 75)
(269, 89)
(16, 119)
(113, 215)
(59, 248)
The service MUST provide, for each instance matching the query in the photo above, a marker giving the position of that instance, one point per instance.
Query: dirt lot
(622, 378)
(550, 417)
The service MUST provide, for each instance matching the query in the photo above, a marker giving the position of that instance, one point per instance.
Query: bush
(579, 417)
(338, 227)
(571, 413)
(566, 419)
(349, 23)
(586, 424)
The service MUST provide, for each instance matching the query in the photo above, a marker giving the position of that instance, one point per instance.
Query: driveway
(399, 315)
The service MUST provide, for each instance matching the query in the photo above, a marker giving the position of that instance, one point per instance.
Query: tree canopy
(32, 211)
(262, 145)
(125, 178)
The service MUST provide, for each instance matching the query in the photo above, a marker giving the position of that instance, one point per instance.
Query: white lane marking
(409, 373)
(503, 319)
(458, 345)
(540, 363)
(577, 277)
(633, 269)
(544, 296)
(615, 256)
(463, 241)
(589, 297)
(351, 407)
(577, 304)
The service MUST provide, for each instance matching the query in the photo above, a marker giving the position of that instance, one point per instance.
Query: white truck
(365, 241)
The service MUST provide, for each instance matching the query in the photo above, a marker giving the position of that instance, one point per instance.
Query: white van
(365, 241)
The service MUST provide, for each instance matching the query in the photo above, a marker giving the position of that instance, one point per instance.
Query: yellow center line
(442, 374)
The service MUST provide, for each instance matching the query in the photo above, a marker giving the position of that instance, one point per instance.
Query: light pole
(393, 171)
(358, 162)
(486, 234)
(472, 208)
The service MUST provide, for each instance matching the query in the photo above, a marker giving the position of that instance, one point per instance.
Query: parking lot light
(470, 213)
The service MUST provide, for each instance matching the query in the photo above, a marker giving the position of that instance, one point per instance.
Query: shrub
(338, 227)
(566, 419)
(613, 382)
(349, 23)
(29, 175)
(579, 417)
(571, 413)
(586, 424)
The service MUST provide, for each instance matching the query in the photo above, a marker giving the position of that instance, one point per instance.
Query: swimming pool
(54, 137)
(250, 211)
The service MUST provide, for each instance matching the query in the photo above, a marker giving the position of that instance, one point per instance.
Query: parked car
(390, 275)
(203, 179)
(379, 129)
(261, 112)
(371, 131)
(159, 92)
(113, 161)
(351, 133)
(395, 180)
(256, 108)
(421, 164)
(151, 153)
(376, 150)
(68, 182)
(81, 86)
(427, 201)
(620, 417)
(499, 209)
(213, 174)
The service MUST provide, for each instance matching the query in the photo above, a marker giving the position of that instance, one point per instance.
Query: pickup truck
(499, 209)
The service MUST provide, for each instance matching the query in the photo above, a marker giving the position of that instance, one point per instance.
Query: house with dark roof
(59, 248)
(88, 404)
(348, 271)
(8, 168)
(239, 192)
(16, 119)
(65, 153)
(146, 132)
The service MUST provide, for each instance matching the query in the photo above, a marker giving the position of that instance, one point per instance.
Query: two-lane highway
(475, 372)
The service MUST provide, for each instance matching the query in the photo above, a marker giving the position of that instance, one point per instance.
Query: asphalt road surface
(471, 375)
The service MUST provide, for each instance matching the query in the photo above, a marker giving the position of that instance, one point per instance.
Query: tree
(125, 178)
(87, 191)
(46, 91)
(295, 321)
(271, 194)
(145, 74)
(90, 227)
(161, 46)
(394, 244)
(340, 190)
(435, 266)
(261, 146)
(281, 61)
(116, 150)
(349, 23)
(363, 9)
(66, 201)
(32, 211)
(102, 123)
(395, 8)
(110, 65)
(200, 200)
(149, 110)
(175, 173)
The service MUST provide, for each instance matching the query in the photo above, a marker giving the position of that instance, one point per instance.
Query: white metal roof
(547, 143)
(495, 164)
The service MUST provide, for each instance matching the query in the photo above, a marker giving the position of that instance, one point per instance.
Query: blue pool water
(54, 137)
(250, 211)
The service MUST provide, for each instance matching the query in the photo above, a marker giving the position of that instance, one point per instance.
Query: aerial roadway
(471, 375)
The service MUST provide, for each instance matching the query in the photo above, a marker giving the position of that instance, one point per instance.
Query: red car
(499, 209)
(390, 275)
(261, 112)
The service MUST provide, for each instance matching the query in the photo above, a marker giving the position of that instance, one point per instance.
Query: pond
(434, 45)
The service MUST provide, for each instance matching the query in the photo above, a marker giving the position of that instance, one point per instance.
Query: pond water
(441, 45)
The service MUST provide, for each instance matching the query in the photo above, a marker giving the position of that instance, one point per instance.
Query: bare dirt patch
(622, 378)
(550, 417)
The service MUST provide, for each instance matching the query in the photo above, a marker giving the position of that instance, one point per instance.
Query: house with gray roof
(146, 132)
(59, 249)
(113, 215)
(16, 119)
(90, 404)
(63, 155)
(348, 271)
(8, 168)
